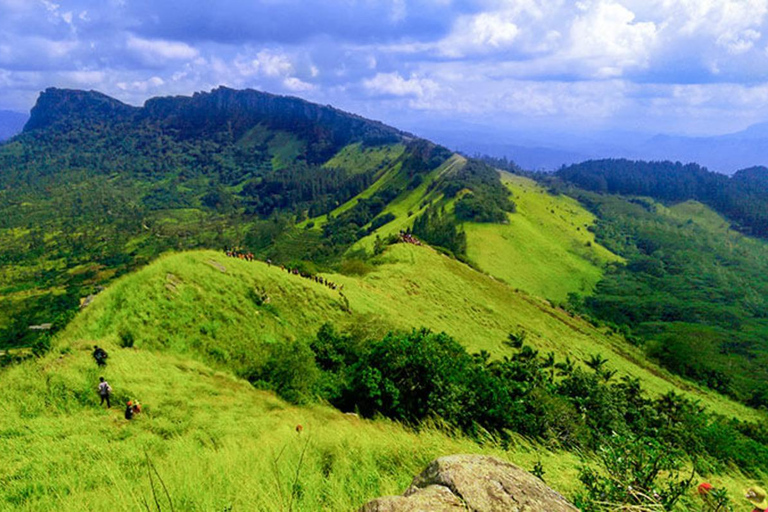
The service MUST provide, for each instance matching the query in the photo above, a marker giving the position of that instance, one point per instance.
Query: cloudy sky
(674, 66)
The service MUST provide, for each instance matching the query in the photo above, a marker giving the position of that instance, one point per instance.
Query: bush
(290, 371)
(637, 473)
(127, 340)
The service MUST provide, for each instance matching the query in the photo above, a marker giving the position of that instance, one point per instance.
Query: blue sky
(673, 66)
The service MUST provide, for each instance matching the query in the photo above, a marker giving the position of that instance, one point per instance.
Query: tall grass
(219, 444)
(215, 442)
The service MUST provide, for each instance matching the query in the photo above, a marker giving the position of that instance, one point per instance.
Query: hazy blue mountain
(11, 123)
(724, 153)
(548, 150)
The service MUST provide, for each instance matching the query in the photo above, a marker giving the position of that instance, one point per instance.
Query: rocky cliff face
(474, 483)
(59, 106)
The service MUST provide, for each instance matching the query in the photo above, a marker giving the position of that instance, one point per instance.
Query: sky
(650, 66)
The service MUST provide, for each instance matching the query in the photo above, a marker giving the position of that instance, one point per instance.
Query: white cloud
(395, 85)
(480, 33)
(294, 84)
(266, 63)
(86, 78)
(141, 86)
(606, 38)
(158, 50)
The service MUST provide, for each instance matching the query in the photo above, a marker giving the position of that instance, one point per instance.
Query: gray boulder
(473, 483)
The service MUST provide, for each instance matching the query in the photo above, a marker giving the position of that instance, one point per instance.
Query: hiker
(100, 355)
(104, 391)
(757, 497)
(132, 408)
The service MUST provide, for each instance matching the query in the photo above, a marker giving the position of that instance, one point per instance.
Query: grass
(217, 443)
(197, 303)
(356, 159)
(213, 438)
(546, 249)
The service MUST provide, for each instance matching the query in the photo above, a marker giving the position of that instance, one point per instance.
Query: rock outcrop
(475, 483)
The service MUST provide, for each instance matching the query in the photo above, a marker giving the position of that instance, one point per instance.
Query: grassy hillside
(202, 303)
(546, 249)
(693, 290)
(219, 444)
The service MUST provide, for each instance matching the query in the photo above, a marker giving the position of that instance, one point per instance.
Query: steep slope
(203, 304)
(94, 188)
(216, 442)
(547, 248)
(692, 292)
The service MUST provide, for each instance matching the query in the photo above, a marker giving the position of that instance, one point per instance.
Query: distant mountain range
(11, 123)
(724, 153)
(549, 150)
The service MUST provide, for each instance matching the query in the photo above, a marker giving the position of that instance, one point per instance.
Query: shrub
(637, 473)
(127, 340)
(290, 371)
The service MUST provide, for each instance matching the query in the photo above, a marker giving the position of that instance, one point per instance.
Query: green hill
(217, 442)
(547, 248)
(537, 321)
(202, 304)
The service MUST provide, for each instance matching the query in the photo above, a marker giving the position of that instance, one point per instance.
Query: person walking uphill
(100, 355)
(104, 391)
(757, 497)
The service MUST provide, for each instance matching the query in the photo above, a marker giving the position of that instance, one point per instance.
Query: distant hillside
(93, 188)
(693, 290)
(723, 153)
(11, 123)
(743, 198)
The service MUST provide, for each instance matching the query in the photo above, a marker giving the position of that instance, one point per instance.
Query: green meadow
(216, 442)
(546, 248)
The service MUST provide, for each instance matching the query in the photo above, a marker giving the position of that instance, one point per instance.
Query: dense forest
(692, 291)
(742, 198)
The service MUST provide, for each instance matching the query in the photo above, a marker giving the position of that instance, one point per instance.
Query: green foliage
(635, 474)
(418, 376)
(691, 288)
(127, 339)
(717, 500)
(742, 198)
(487, 200)
(440, 229)
(289, 369)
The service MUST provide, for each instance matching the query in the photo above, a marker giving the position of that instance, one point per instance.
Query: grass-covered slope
(547, 247)
(203, 303)
(693, 290)
(217, 443)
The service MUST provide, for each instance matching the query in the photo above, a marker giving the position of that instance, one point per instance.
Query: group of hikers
(133, 407)
(248, 256)
(756, 496)
(408, 238)
(318, 279)
(235, 253)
